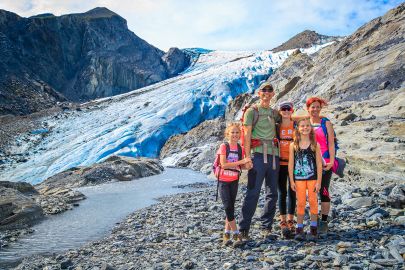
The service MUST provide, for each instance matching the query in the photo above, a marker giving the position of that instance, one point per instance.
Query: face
(234, 134)
(266, 96)
(304, 127)
(315, 109)
(286, 112)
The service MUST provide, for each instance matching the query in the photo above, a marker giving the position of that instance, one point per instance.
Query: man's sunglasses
(266, 90)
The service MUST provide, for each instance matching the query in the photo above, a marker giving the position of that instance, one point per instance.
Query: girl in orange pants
(305, 172)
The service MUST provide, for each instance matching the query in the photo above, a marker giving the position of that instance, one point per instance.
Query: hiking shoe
(235, 236)
(313, 233)
(285, 231)
(323, 227)
(299, 234)
(291, 226)
(226, 237)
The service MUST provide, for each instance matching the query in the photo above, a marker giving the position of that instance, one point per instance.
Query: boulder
(115, 168)
(17, 210)
(23, 187)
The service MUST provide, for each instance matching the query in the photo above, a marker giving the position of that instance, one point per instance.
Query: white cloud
(226, 24)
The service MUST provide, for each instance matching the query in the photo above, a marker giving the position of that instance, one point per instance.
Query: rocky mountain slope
(84, 56)
(363, 77)
(305, 39)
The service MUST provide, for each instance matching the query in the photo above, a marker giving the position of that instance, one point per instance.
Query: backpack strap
(255, 115)
(325, 129)
(240, 152)
(228, 149)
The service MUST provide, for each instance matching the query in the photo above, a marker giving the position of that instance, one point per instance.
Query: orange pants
(301, 187)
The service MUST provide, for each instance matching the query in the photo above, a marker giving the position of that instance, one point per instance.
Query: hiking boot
(313, 233)
(235, 236)
(299, 234)
(266, 233)
(226, 237)
(244, 235)
(238, 242)
(323, 227)
(285, 232)
(291, 226)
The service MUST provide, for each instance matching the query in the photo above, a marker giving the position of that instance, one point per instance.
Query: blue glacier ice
(138, 123)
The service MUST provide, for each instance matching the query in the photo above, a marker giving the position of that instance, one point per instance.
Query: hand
(317, 187)
(246, 160)
(292, 186)
(249, 165)
(328, 166)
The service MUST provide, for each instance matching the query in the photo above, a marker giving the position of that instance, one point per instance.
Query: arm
(331, 144)
(291, 166)
(230, 165)
(318, 168)
(248, 137)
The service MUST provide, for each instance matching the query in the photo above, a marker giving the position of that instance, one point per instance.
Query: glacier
(138, 123)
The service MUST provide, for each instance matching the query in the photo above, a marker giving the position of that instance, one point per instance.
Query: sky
(221, 24)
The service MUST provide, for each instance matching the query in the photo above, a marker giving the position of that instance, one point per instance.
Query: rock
(377, 210)
(66, 264)
(385, 262)
(400, 221)
(348, 117)
(340, 260)
(106, 266)
(22, 187)
(17, 210)
(344, 245)
(228, 265)
(383, 85)
(114, 168)
(176, 61)
(188, 265)
(359, 202)
(396, 198)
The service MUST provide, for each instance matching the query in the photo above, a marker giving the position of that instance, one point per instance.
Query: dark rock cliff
(81, 56)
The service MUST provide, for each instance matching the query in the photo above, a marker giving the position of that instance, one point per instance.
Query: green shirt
(265, 127)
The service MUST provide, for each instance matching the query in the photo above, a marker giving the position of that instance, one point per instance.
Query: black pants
(228, 192)
(283, 182)
(324, 192)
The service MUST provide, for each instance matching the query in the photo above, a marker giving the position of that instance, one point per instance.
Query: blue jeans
(256, 176)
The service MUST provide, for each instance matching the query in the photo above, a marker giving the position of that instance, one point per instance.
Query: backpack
(340, 164)
(255, 120)
(325, 131)
(216, 167)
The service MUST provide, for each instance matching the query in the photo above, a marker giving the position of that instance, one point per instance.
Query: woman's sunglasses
(286, 109)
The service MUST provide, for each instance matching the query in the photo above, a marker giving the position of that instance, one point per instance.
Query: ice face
(138, 123)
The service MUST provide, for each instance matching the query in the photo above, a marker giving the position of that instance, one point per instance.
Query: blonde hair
(229, 127)
(297, 136)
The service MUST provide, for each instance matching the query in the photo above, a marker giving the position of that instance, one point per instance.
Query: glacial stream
(105, 206)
